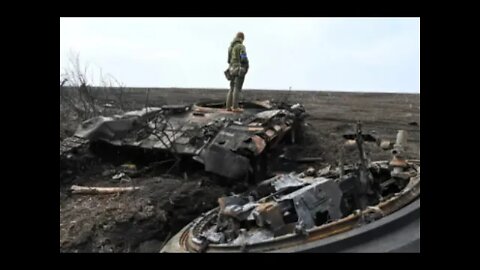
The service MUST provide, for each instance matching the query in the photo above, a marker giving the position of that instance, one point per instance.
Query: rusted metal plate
(259, 143)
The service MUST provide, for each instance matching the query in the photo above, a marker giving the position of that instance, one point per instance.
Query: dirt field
(141, 221)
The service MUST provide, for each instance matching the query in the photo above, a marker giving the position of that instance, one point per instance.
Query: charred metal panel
(224, 162)
(116, 127)
(323, 195)
(287, 181)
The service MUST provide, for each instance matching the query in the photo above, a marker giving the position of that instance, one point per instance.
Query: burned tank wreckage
(328, 210)
(315, 210)
(228, 144)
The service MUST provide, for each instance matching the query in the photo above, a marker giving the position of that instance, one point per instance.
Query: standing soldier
(238, 68)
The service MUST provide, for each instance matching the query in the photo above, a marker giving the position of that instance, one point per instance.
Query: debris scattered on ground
(138, 221)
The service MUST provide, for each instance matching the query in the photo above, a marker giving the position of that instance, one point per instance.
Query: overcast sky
(345, 54)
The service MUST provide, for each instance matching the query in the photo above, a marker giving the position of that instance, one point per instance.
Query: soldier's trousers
(233, 96)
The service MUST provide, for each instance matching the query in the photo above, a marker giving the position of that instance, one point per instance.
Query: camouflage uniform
(238, 68)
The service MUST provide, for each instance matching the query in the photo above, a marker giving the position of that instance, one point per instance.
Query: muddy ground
(142, 221)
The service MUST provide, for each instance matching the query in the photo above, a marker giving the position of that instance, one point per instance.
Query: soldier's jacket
(237, 58)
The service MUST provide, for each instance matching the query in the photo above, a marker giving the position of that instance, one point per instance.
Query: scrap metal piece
(260, 144)
(240, 212)
(287, 181)
(269, 215)
(323, 195)
(213, 237)
(116, 127)
(300, 228)
(71, 144)
(224, 162)
(324, 171)
(223, 202)
(265, 115)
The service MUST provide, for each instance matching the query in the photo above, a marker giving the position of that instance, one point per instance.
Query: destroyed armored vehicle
(363, 207)
(229, 144)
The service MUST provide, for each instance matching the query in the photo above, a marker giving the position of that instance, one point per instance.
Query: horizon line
(266, 89)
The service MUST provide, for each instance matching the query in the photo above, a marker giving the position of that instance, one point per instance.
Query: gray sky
(345, 54)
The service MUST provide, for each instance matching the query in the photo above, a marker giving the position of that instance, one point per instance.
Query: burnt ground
(143, 220)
